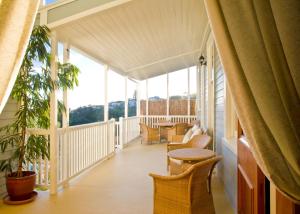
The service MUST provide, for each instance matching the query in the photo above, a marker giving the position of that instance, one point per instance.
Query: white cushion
(187, 136)
(195, 127)
(196, 132)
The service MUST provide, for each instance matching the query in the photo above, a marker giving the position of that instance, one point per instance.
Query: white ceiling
(142, 38)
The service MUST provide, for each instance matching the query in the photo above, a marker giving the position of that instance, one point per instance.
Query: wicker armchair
(187, 193)
(178, 129)
(198, 141)
(149, 134)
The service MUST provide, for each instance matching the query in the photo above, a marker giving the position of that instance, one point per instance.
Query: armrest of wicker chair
(177, 138)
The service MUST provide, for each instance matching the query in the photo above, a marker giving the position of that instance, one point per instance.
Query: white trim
(106, 70)
(53, 118)
(189, 93)
(168, 95)
(163, 60)
(83, 13)
(126, 97)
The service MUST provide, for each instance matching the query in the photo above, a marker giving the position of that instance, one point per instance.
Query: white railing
(150, 120)
(40, 167)
(129, 130)
(80, 147)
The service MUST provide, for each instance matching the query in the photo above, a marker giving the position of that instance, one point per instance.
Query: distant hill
(95, 113)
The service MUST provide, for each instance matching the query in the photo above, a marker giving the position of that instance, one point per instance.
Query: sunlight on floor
(118, 185)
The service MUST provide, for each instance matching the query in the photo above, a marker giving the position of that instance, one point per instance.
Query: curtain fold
(259, 46)
(16, 23)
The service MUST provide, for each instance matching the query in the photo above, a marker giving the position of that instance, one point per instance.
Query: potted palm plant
(32, 91)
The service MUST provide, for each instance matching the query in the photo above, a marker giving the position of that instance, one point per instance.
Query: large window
(116, 95)
(157, 92)
(178, 92)
(86, 102)
(131, 94)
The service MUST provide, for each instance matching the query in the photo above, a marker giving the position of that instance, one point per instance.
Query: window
(178, 92)
(157, 93)
(86, 102)
(116, 95)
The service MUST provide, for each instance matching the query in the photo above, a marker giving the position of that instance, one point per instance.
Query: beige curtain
(16, 22)
(259, 45)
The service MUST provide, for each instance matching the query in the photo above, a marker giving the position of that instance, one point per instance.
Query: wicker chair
(178, 129)
(149, 134)
(187, 193)
(198, 141)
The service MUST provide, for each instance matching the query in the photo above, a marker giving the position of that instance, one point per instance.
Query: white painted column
(66, 59)
(126, 110)
(138, 99)
(198, 96)
(147, 102)
(65, 119)
(189, 96)
(53, 118)
(126, 97)
(168, 97)
(106, 70)
(202, 86)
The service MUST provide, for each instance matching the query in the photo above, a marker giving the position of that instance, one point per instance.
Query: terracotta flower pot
(20, 188)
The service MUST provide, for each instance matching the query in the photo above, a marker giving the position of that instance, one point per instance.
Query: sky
(91, 83)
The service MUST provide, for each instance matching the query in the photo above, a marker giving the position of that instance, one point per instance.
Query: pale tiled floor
(118, 185)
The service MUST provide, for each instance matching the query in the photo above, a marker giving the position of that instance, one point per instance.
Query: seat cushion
(196, 132)
(187, 136)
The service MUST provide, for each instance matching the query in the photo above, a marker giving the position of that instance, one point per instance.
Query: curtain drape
(16, 22)
(259, 46)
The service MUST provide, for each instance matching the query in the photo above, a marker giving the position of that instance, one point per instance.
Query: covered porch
(118, 185)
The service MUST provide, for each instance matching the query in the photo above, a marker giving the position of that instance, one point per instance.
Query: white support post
(66, 59)
(147, 102)
(198, 98)
(65, 119)
(189, 97)
(53, 118)
(121, 132)
(126, 97)
(138, 99)
(126, 110)
(106, 70)
(168, 97)
(202, 103)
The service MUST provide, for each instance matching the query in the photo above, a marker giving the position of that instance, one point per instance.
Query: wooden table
(163, 125)
(191, 154)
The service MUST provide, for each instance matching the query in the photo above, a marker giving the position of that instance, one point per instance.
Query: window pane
(131, 93)
(87, 100)
(158, 95)
(116, 95)
(178, 91)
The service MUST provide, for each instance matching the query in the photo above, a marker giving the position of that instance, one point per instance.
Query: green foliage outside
(32, 91)
(95, 113)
